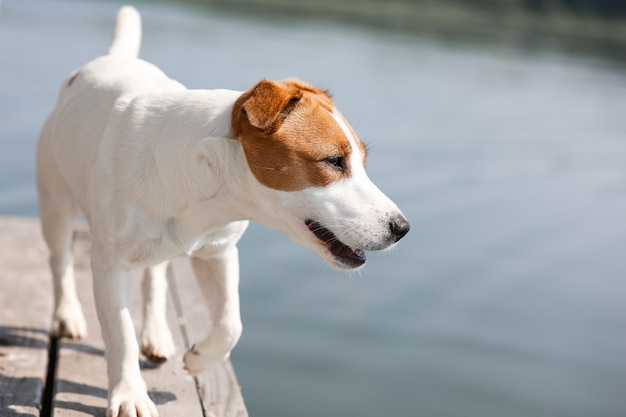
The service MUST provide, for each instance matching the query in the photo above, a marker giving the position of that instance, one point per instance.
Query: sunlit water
(507, 298)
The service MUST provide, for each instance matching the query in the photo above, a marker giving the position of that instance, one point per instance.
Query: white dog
(159, 170)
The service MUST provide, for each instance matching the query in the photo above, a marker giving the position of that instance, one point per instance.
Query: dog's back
(87, 99)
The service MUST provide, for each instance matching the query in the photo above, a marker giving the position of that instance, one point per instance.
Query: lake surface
(507, 298)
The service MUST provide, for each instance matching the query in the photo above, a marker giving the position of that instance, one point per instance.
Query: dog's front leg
(128, 395)
(218, 278)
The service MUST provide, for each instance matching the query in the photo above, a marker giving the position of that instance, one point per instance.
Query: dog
(159, 170)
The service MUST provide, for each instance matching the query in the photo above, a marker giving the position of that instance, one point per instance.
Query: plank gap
(47, 396)
(180, 321)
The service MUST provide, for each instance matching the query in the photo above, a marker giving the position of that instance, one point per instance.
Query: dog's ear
(265, 105)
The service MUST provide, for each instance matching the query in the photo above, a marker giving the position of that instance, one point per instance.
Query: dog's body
(159, 170)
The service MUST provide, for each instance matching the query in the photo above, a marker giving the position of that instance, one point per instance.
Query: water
(508, 297)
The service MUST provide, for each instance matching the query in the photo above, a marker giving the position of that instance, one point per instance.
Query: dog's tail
(127, 33)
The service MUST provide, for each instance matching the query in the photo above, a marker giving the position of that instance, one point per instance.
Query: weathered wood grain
(25, 312)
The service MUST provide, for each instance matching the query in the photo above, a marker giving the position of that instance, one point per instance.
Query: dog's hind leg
(156, 339)
(58, 211)
(218, 278)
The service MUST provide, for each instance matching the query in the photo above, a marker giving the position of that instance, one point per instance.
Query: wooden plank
(81, 387)
(219, 390)
(25, 316)
(80, 380)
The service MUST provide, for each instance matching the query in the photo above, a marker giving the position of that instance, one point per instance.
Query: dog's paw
(69, 322)
(127, 400)
(157, 346)
(197, 361)
(213, 349)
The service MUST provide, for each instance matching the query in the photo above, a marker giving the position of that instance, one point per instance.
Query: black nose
(399, 227)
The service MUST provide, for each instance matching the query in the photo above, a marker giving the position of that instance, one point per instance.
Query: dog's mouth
(343, 254)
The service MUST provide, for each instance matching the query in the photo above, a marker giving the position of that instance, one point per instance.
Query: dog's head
(311, 164)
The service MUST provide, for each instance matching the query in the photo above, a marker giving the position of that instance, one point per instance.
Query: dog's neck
(215, 188)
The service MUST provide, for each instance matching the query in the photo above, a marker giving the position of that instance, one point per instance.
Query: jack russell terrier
(159, 170)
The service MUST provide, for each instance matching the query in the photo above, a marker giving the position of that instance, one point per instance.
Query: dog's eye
(337, 162)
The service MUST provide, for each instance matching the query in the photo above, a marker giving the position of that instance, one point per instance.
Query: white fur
(126, 33)
(155, 171)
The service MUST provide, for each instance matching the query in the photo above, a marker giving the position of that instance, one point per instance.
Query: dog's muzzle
(344, 254)
(355, 257)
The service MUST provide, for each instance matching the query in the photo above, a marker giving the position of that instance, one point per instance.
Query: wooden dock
(41, 376)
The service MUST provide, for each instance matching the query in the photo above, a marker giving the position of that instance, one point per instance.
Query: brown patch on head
(289, 135)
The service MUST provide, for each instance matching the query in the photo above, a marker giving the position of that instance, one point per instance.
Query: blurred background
(498, 126)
